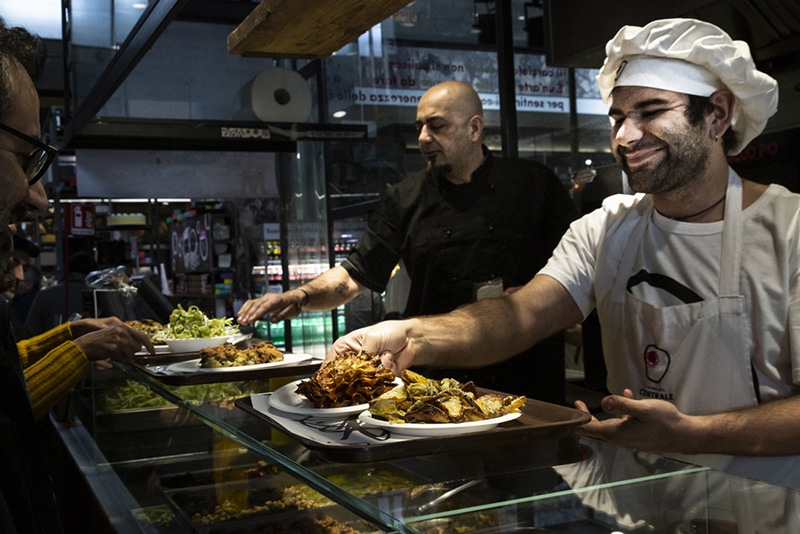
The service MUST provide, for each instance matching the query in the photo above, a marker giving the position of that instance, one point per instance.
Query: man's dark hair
(28, 49)
(699, 108)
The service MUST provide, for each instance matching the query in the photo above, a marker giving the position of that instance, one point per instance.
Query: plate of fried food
(428, 407)
(435, 429)
(343, 387)
(229, 357)
(154, 330)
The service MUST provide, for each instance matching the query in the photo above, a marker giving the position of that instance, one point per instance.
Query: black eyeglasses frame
(40, 158)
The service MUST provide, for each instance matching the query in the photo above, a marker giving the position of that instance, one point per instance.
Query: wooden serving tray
(344, 439)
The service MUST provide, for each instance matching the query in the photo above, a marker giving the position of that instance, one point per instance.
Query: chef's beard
(685, 160)
(438, 171)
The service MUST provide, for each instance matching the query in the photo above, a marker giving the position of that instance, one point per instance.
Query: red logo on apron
(656, 362)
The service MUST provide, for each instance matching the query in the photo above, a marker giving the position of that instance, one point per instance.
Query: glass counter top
(556, 485)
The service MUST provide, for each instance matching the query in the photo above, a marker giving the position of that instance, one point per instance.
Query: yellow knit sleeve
(30, 350)
(53, 375)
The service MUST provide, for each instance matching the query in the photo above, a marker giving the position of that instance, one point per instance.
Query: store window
(376, 80)
(383, 91)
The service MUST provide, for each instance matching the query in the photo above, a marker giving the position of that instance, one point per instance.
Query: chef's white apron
(695, 355)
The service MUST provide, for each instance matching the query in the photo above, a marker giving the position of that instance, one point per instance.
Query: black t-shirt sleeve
(376, 254)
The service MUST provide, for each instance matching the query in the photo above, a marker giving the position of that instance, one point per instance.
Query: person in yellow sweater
(55, 361)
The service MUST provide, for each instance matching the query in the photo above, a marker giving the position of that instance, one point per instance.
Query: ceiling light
(139, 5)
(339, 114)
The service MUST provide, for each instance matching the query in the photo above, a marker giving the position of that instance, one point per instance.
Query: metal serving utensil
(446, 495)
(235, 339)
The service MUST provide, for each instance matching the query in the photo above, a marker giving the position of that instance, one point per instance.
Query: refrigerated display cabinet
(193, 458)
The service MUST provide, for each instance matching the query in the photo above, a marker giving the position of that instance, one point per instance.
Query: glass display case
(166, 458)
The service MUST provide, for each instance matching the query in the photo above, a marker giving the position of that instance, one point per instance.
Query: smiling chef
(695, 277)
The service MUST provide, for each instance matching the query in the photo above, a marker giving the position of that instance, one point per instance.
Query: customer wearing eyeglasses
(26, 495)
(27, 503)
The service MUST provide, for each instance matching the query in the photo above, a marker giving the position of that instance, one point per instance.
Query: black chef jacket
(505, 223)
(27, 503)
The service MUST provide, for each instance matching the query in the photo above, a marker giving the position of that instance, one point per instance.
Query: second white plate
(193, 366)
(435, 429)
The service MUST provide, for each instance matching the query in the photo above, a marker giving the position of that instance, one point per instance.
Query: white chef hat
(693, 57)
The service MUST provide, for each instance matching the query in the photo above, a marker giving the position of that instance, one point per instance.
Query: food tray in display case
(280, 503)
(348, 438)
(183, 369)
(190, 470)
(332, 519)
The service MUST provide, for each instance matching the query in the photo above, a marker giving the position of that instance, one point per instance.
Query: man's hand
(117, 341)
(281, 306)
(389, 339)
(645, 425)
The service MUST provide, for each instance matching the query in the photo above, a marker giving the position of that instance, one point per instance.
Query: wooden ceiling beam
(307, 28)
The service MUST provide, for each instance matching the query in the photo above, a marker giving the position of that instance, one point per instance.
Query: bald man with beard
(471, 226)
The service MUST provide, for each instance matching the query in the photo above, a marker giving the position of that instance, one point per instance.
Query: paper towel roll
(280, 95)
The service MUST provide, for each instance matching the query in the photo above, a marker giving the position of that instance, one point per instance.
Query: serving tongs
(446, 495)
(239, 337)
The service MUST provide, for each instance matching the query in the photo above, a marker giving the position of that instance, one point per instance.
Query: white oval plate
(286, 399)
(195, 344)
(435, 429)
(193, 366)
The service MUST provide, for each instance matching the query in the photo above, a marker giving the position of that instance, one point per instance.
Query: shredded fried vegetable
(193, 323)
(350, 379)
